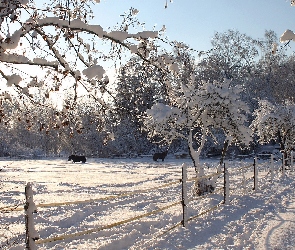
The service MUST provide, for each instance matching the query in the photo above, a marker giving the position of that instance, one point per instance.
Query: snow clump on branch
(94, 71)
(287, 36)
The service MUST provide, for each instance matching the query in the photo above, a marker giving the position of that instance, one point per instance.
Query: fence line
(67, 236)
(56, 204)
(255, 178)
(179, 224)
(89, 231)
(225, 202)
(182, 202)
(201, 197)
(205, 176)
(12, 208)
(243, 168)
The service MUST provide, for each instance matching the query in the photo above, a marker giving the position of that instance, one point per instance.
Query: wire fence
(250, 176)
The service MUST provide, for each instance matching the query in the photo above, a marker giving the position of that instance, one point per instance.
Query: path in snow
(280, 231)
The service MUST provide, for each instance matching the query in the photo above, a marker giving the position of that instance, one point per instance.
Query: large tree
(140, 84)
(232, 57)
(193, 115)
(272, 74)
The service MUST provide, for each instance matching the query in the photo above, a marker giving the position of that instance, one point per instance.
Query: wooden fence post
(292, 161)
(283, 164)
(30, 208)
(226, 185)
(271, 168)
(244, 181)
(184, 194)
(255, 177)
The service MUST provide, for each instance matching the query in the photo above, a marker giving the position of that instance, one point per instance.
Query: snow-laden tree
(192, 115)
(273, 74)
(128, 140)
(232, 56)
(275, 122)
(251, 63)
(138, 85)
(56, 45)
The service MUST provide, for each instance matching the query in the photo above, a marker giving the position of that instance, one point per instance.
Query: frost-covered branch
(47, 29)
(211, 105)
(19, 59)
(3, 75)
(199, 108)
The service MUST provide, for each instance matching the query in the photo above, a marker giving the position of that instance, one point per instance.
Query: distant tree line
(42, 128)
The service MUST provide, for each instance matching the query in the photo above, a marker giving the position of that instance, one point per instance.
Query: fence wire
(243, 169)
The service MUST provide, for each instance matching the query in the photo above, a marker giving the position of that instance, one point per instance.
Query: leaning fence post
(30, 208)
(255, 174)
(184, 194)
(226, 185)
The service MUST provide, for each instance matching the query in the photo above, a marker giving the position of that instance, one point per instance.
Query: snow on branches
(275, 122)
(287, 36)
(60, 41)
(196, 110)
(57, 49)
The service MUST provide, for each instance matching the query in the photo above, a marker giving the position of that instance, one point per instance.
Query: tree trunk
(195, 155)
(202, 185)
(191, 151)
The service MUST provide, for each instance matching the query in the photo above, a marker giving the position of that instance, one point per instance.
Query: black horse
(160, 156)
(76, 158)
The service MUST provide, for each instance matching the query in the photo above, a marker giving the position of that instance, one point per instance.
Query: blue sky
(195, 21)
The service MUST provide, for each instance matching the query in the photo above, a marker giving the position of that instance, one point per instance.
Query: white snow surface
(261, 219)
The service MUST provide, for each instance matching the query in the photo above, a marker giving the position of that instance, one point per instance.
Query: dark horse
(160, 156)
(76, 158)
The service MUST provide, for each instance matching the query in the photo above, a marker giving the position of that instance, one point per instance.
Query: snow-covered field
(78, 197)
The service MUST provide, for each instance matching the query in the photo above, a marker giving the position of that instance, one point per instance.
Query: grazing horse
(160, 156)
(76, 158)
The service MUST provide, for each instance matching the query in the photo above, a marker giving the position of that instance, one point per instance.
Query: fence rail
(253, 171)
(85, 232)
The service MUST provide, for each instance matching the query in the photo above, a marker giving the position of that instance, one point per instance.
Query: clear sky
(195, 21)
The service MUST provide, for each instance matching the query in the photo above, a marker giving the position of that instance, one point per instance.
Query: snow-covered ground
(78, 197)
